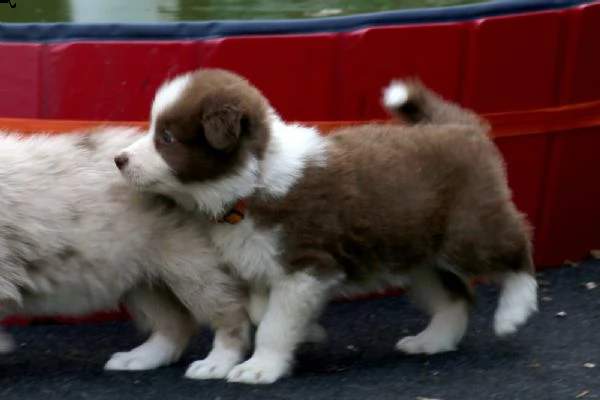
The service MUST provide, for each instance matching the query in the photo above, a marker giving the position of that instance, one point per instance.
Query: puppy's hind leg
(157, 310)
(448, 299)
(518, 297)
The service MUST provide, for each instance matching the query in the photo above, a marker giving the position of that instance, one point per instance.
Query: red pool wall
(509, 63)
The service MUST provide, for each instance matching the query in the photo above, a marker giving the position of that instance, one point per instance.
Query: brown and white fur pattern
(361, 209)
(75, 239)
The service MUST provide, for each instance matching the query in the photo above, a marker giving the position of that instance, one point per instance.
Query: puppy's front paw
(259, 370)
(136, 361)
(424, 344)
(210, 368)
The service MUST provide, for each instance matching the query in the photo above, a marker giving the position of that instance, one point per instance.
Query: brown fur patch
(400, 198)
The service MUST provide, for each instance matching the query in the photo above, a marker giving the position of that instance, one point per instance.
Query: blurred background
(198, 10)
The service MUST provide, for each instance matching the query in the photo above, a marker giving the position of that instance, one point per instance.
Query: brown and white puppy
(363, 208)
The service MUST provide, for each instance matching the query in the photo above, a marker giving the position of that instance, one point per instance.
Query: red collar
(235, 213)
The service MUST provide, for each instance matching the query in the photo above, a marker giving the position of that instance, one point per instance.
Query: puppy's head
(208, 130)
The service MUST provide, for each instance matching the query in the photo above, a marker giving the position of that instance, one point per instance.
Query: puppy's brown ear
(223, 126)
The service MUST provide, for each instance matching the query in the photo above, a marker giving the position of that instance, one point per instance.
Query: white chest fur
(252, 252)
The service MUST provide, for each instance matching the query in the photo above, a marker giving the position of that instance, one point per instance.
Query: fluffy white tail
(410, 100)
(518, 301)
(395, 95)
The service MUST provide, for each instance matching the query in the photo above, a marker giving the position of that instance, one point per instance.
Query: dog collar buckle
(235, 214)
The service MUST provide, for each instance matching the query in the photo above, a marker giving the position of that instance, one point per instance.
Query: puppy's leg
(171, 326)
(293, 304)
(232, 339)
(447, 298)
(215, 298)
(518, 298)
(257, 305)
(259, 300)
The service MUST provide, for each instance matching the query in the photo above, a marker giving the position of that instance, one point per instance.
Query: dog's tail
(409, 99)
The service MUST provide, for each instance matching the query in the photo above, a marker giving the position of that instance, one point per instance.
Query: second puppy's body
(75, 238)
(360, 209)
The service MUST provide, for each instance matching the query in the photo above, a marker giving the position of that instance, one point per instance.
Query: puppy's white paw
(140, 359)
(424, 344)
(210, 368)
(215, 366)
(157, 351)
(259, 370)
(518, 302)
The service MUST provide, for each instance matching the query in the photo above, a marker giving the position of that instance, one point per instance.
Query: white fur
(395, 95)
(294, 301)
(291, 147)
(158, 350)
(146, 168)
(262, 368)
(449, 316)
(445, 330)
(213, 197)
(168, 93)
(75, 238)
(217, 364)
(253, 252)
(257, 307)
(518, 300)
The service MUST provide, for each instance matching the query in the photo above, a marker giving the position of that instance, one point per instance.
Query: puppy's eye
(167, 137)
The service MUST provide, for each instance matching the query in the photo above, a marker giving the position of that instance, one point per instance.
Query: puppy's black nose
(121, 161)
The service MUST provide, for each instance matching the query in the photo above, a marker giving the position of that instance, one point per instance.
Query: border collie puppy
(76, 238)
(303, 217)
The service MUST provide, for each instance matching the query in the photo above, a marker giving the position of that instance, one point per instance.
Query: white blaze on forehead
(169, 93)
